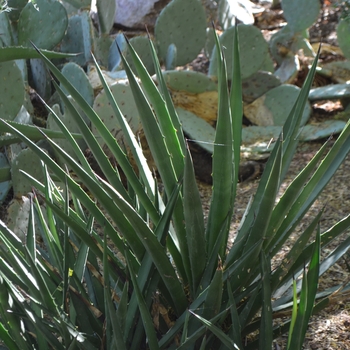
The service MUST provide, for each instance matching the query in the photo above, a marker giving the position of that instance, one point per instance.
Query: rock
(138, 13)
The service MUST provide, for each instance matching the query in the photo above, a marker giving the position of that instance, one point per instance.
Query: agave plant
(126, 266)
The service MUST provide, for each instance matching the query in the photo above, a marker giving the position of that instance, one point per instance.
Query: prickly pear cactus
(43, 22)
(258, 84)
(78, 38)
(190, 81)
(106, 12)
(210, 42)
(16, 7)
(182, 23)
(77, 77)
(17, 216)
(269, 64)
(79, 3)
(300, 14)
(343, 35)
(171, 57)
(321, 130)
(124, 98)
(70, 124)
(41, 78)
(338, 71)
(229, 10)
(5, 185)
(194, 92)
(273, 107)
(253, 50)
(6, 37)
(288, 69)
(12, 90)
(257, 139)
(197, 129)
(114, 60)
(140, 45)
(142, 48)
(101, 47)
(330, 92)
(30, 163)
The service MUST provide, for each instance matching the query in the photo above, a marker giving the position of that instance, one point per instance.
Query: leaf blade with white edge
(217, 332)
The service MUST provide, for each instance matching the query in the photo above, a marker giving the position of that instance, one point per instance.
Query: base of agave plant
(202, 162)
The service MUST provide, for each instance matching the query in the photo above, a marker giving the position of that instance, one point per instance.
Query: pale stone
(130, 13)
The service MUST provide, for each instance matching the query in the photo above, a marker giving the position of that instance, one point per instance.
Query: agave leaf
(239, 272)
(212, 260)
(284, 271)
(75, 188)
(164, 163)
(246, 312)
(188, 342)
(316, 184)
(44, 331)
(291, 127)
(134, 146)
(194, 223)
(94, 243)
(156, 251)
(104, 198)
(30, 236)
(17, 53)
(100, 156)
(213, 300)
(82, 256)
(12, 332)
(67, 135)
(67, 257)
(32, 132)
(154, 135)
(112, 328)
(161, 110)
(265, 197)
(265, 333)
(291, 194)
(121, 158)
(46, 296)
(185, 329)
(123, 307)
(223, 169)
(218, 332)
(236, 324)
(6, 270)
(146, 272)
(236, 110)
(179, 323)
(334, 256)
(294, 312)
(6, 338)
(289, 137)
(87, 315)
(326, 238)
(307, 298)
(146, 317)
(19, 271)
(49, 231)
(254, 224)
(167, 98)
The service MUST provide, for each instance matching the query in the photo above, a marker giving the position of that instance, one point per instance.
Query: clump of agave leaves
(165, 280)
